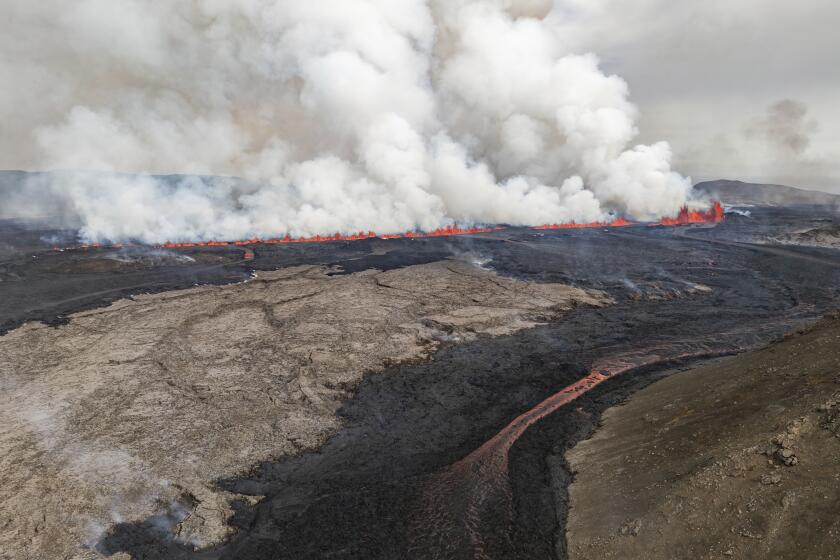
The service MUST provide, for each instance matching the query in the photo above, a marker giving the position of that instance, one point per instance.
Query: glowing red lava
(714, 215)
(457, 501)
(685, 217)
(619, 222)
(444, 232)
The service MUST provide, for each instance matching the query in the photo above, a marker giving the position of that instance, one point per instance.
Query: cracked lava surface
(136, 404)
(426, 408)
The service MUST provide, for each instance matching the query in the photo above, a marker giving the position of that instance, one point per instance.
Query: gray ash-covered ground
(822, 235)
(681, 295)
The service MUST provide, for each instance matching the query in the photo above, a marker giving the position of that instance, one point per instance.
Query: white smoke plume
(333, 115)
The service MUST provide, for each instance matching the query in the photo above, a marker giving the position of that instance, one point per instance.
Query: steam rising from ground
(338, 115)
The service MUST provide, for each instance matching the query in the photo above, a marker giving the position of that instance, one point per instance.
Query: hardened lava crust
(368, 399)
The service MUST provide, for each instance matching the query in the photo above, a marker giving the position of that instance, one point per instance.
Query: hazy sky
(741, 88)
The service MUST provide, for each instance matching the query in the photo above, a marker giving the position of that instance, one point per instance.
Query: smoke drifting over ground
(339, 116)
(785, 125)
(784, 135)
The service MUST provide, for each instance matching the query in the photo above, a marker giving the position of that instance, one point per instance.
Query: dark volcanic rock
(388, 484)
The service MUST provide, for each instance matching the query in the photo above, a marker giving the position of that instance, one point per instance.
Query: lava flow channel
(469, 505)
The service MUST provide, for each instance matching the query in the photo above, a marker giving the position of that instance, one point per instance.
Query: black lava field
(435, 459)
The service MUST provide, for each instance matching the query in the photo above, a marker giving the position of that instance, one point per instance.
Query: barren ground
(736, 459)
(826, 236)
(333, 396)
(128, 408)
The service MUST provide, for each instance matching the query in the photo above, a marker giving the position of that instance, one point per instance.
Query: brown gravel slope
(126, 408)
(736, 459)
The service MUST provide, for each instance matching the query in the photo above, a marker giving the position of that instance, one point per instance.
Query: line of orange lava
(685, 217)
(461, 496)
(443, 232)
(619, 222)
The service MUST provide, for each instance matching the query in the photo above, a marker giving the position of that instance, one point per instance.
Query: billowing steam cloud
(337, 115)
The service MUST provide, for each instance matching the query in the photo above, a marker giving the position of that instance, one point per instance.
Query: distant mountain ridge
(737, 192)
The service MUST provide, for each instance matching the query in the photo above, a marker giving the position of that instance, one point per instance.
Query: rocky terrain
(394, 395)
(418, 467)
(738, 193)
(825, 236)
(736, 459)
(152, 399)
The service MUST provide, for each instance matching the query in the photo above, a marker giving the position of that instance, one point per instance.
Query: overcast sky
(741, 88)
(744, 89)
